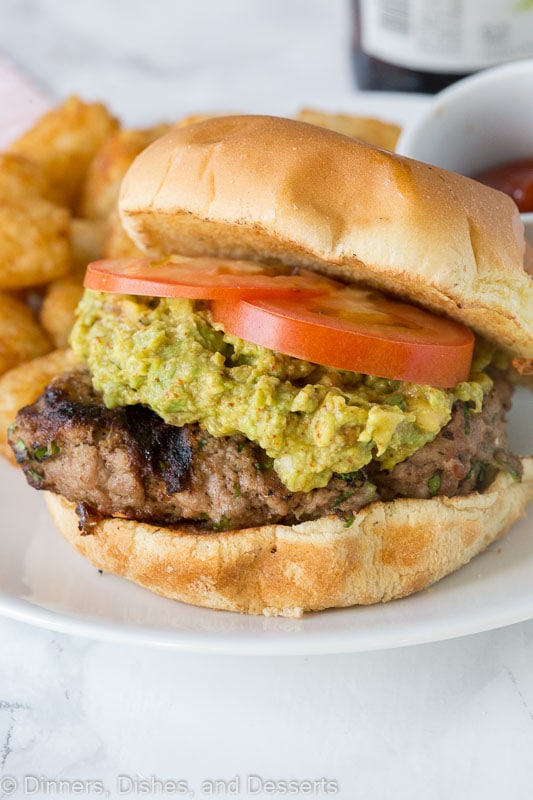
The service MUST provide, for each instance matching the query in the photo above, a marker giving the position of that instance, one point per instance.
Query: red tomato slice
(356, 329)
(202, 278)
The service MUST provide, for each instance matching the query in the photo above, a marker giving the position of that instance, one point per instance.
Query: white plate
(44, 582)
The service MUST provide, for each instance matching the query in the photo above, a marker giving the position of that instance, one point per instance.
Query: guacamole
(312, 421)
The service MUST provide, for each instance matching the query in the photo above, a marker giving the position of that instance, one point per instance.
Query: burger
(296, 400)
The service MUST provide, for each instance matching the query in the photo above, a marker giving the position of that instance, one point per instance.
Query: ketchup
(515, 179)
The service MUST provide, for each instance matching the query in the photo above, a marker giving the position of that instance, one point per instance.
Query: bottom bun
(390, 550)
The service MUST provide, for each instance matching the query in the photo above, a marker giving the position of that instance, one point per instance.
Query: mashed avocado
(312, 421)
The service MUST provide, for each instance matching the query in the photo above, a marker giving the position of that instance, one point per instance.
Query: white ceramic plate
(43, 582)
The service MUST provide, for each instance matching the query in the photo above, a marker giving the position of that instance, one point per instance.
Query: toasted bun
(266, 187)
(391, 550)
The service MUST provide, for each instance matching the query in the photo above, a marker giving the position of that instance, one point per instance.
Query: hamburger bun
(390, 551)
(271, 188)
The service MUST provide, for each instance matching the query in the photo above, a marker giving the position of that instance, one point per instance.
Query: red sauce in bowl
(515, 179)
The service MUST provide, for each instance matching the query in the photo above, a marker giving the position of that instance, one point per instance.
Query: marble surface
(449, 719)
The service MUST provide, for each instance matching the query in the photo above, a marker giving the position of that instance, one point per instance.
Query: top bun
(271, 188)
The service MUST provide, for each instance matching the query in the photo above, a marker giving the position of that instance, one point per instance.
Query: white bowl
(477, 123)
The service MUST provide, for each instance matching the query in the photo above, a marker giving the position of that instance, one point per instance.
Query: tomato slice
(356, 329)
(202, 278)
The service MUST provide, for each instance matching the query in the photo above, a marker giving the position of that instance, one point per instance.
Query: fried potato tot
(101, 188)
(21, 178)
(192, 118)
(34, 242)
(57, 311)
(21, 337)
(22, 385)
(64, 142)
(117, 243)
(59, 307)
(528, 258)
(374, 131)
(87, 238)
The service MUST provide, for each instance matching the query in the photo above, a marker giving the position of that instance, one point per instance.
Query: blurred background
(167, 58)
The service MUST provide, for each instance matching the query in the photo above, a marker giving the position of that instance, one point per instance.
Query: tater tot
(64, 142)
(21, 178)
(118, 244)
(528, 258)
(21, 337)
(34, 242)
(190, 119)
(101, 189)
(87, 238)
(59, 307)
(377, 132)
(22, 385)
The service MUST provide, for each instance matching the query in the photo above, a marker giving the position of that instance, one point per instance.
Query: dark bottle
(425, 45)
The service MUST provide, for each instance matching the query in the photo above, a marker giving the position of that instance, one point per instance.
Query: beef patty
(128, 462)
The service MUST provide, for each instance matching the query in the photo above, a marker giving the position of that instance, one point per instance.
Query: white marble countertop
(449, 719)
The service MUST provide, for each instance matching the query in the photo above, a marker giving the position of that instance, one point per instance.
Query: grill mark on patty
(153, 447)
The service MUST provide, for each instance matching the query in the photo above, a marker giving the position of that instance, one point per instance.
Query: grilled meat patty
(128, 462)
